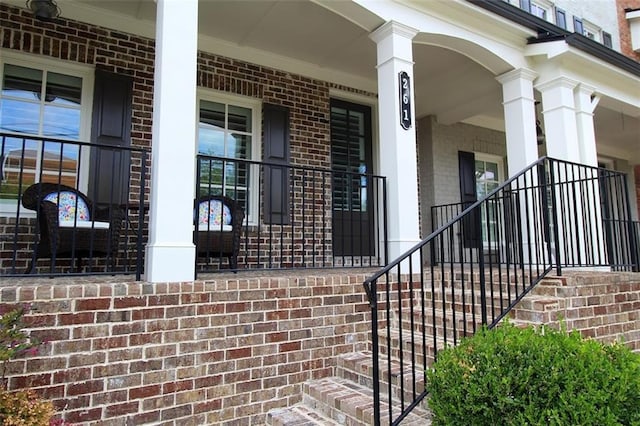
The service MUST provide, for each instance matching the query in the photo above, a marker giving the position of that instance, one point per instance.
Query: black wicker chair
(71, 226)
(220, 236)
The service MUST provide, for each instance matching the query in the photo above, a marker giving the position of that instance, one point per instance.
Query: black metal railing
(296, 216)
(481, 261)
(69, 207)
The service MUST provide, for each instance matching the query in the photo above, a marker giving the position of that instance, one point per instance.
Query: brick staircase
(344, 399)
(601, 305)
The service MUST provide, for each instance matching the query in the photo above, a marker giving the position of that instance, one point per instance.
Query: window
(561, 18)
(538, 11)
(539, 8)
(39, 100)
(577, 25)
(228, 129)
(488, 176)
(606, 39)
(591, 31)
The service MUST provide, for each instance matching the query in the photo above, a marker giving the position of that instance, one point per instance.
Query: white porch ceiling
(330, 38)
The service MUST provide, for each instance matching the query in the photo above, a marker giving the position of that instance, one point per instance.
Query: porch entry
(352, 215)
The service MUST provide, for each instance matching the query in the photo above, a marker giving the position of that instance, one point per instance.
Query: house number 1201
(405, 100)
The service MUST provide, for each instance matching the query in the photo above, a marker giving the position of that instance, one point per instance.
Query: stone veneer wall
(223, 351)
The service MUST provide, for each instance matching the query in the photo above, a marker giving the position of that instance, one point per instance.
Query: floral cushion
(212, 214)
(68, 205)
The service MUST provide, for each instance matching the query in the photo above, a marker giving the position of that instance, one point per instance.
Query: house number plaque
(405, 100)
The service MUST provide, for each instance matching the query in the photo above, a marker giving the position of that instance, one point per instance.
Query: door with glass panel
(488, 173)
(352, 216)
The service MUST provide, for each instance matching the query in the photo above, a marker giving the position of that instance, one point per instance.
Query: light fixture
(44, 10)
(539, 131)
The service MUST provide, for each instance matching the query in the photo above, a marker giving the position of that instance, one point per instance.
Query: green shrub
(524, 376)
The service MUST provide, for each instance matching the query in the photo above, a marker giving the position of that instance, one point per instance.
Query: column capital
(393, 28)
(517, 74)
(558, 82)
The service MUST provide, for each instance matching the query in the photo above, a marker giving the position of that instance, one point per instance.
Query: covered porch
(269, 97)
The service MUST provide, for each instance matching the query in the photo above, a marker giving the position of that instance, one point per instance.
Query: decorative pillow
(211, 213)
(68, 206)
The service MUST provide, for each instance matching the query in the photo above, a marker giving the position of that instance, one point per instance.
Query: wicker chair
(218, 228)
(70, 226)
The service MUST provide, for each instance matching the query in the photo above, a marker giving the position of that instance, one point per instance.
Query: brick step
(349, 403)
(457, 278)
(358, 368)
(298, 415)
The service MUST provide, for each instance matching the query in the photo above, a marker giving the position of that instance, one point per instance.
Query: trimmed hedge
(526, 376)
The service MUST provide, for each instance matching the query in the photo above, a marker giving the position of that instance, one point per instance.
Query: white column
(558, 109)
(562, 142)
(585, 107)
(398, 158)
(522, 151)
(170, 254)
(585, 103)
(520, 118)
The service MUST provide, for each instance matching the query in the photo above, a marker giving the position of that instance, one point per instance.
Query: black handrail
(483, 260)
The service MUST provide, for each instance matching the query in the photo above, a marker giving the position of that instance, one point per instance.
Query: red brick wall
(201, 353)
(625, 34)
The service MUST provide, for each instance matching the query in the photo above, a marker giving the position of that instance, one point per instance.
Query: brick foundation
(605, 307)
(208, 352)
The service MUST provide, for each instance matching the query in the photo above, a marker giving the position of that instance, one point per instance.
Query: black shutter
(276, 179)
(111, 125)
(525, 5)
(468, 196)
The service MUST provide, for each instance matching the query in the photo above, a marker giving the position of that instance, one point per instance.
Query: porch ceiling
(329, 40)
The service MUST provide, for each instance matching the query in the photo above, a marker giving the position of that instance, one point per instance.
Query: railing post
(481, 267)
(554, 218)
(141, 213)
(635, 250)
(373, 302)
(385, 221)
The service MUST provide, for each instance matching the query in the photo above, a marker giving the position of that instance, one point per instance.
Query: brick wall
(601, 306)
(625, 33)
(223, 351)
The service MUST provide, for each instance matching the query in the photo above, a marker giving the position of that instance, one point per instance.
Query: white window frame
(589, 29)
(255, 105)
(86, 73)
(544, 5)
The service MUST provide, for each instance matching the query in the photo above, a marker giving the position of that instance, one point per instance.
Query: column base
(170, 263)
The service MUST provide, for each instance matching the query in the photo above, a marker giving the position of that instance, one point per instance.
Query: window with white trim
(488, 176)
(40, 99)
(229, 128)
(591, 31)
(540, 8)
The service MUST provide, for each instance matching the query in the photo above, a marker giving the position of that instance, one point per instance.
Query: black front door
(350, 160)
